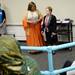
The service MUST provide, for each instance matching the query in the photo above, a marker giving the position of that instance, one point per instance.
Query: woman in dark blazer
(48, 27)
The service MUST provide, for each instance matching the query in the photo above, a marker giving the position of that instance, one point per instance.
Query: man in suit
(48, 27)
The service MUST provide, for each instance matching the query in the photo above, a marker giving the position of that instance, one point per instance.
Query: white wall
(16, 9)
(17, 30)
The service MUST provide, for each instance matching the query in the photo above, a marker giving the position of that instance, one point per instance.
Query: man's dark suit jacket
(51, 24)
(51, 28)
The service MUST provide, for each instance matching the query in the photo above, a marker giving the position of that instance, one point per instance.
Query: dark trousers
(51, 39)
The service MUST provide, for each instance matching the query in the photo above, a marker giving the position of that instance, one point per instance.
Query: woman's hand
(38, 21)
(53, 33)
(30, 22)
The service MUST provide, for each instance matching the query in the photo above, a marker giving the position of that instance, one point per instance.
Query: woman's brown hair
(31, 4)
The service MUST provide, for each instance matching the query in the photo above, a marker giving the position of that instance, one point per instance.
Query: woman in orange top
(32, 26)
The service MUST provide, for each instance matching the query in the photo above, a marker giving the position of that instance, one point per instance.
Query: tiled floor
(59, 58)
